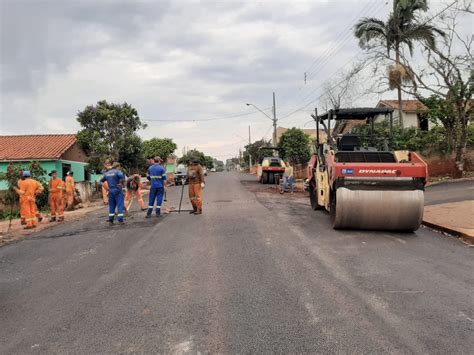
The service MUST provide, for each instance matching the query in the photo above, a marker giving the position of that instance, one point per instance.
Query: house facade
(413, 114)
(58, 152)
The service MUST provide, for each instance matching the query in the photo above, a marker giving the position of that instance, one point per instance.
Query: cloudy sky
(188, 67)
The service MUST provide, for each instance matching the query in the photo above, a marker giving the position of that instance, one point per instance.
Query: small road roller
(271, 168)
(360, 181)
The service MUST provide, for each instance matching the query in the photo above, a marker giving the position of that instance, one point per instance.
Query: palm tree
(401, 28)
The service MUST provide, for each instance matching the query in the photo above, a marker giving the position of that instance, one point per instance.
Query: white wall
(410, 119)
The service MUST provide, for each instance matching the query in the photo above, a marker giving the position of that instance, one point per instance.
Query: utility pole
(274, 123)
(250, 155)
(240, 159)
(317, 130)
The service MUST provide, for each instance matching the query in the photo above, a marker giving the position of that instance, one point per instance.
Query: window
(65, 169)
(422, 122)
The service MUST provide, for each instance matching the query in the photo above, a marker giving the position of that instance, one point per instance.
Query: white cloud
(171, 60)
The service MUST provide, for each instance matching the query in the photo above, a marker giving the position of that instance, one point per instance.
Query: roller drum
(378, 209)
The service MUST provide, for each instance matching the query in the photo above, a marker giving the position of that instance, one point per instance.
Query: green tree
(131, 154)
(294, 146)
(106, 128)
(208, 162)
(441, 111)
(162, 147)
(401, 28)
(254, 150)
(193, 154)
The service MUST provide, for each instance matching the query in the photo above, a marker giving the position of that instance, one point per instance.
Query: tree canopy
(403, 27)
(294, 145)
(255, 152)
(195, 154)
(108, 131)
(162, 147)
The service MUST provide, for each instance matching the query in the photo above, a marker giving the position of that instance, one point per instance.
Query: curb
(466, 237)
(450, 181)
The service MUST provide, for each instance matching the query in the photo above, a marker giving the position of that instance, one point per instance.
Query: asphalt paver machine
(363, 186)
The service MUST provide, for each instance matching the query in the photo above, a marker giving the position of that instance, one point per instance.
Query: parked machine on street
(361, 182)
(271, 168)
(180, 175)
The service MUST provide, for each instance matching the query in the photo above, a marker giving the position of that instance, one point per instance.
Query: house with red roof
(413, 113)
(59, 152)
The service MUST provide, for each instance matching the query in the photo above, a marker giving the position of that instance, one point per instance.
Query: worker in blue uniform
(116, 180)
(157, 177)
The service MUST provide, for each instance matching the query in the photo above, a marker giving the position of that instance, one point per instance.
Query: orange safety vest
(28, 188)
(69, 184)
(56, 186)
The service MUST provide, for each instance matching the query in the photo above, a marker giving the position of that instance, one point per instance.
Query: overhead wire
(335, 43)
(341, 37)
(345, 35)
(365, 64)
(206, 120)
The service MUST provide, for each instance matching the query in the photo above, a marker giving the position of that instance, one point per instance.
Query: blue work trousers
(156, 193)
(116, 201)
(288, 180)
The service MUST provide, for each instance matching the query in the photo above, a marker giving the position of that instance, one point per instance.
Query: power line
(348, 35)
(341, 35)
(345, 35)
(205, 120)
(317, 98)
(366, 64)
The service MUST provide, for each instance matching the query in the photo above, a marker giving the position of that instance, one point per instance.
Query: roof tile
(407, 105)
(29, 147)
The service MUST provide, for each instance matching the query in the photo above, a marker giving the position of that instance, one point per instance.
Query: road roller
(359, 180)
(271, 168)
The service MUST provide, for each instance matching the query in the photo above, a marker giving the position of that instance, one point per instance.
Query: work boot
(148, 216)
(193, 211)
(40, 218)
(52, 219)
(111, 223)
(29, 227)
(198, 212)
(61, 219)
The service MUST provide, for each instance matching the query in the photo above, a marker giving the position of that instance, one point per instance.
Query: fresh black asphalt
(256, 273)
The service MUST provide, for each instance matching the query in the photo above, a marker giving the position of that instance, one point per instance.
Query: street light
(274, 119)
(260, 110)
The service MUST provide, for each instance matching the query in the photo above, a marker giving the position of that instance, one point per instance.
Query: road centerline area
(256, 272)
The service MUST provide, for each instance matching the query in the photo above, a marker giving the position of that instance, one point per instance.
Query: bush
(404, 138)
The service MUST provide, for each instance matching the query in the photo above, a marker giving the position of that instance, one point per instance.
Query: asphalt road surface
(449, 192)
(257, 272)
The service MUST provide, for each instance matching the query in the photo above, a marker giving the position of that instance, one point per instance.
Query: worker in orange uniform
(22, 199)
(196, 183)
(134, 188)
(28, 188)
(56, 206)
(22, 212)
(70, 191)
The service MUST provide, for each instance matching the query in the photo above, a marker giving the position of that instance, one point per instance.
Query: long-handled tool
(181, 199)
